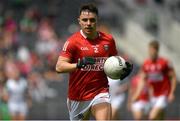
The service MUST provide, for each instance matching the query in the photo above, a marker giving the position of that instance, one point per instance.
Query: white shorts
(141, 106)
(117, 101)
(18, 108)
(80, 109)
(159, 102)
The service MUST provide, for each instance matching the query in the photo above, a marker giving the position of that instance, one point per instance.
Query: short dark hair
(154, 44)
(90, 7)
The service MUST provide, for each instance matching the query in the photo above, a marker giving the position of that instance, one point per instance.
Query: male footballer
(83, 56)
(160, 75)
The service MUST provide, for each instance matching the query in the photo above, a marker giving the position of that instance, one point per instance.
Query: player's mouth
(89, 29)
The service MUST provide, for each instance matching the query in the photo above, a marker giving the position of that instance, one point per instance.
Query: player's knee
(137, 115)
(101, 111)
(156, 114)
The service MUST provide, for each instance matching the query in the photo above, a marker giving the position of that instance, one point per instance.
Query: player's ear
(78, 20)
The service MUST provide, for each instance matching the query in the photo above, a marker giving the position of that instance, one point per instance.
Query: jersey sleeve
(68, 49)
(169, 65)
(113, 50)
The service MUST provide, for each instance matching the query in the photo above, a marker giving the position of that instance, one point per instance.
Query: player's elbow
(59, 68)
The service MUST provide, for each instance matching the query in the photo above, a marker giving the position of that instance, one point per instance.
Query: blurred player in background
(17, 92)
(160, 75)
(117, 92)
(4, 115)
(138, 104)
(83, 56)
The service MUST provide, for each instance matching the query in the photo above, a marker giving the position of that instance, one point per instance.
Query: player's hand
(127, 70)
(84, 61)
(170, 98)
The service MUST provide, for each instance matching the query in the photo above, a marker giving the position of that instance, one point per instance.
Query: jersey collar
(81, 32)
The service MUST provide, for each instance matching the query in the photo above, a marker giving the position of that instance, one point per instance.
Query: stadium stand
(133, 24)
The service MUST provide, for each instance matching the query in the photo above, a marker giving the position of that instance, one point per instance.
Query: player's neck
(91, 36)
(154, 59)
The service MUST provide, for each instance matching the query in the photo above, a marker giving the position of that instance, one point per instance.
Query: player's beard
(154, 57)
(90, 32)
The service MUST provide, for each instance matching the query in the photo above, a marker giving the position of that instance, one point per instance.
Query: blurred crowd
(30, 44)
(29, 49)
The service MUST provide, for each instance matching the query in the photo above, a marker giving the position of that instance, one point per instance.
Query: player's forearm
(138, 90)
(130, 94)
(172, 76)
(129, 99)
(173, 85)
(5, 97)
(135, 96)
(64, 67)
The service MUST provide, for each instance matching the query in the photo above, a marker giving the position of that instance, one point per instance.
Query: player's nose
(88, 22)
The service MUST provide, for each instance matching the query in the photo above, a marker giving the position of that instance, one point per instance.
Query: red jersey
(87, 82)
(144, 95)
(157, 75)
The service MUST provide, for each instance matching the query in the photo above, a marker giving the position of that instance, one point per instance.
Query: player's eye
(84, 19)
(92, 20)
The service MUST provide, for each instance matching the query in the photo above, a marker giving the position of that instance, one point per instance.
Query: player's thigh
(159, 102)
(137, 109)
(155, 113)
(158, 106)
(101, 111)
(13, 108)
(117, 101)
(79, 110)
(21, 117)
(23, 111)
(137, 114)
(115, 113)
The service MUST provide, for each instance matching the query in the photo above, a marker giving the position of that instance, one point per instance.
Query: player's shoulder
(106, 36)
(163, 59)
(147, 61)
(75, 36)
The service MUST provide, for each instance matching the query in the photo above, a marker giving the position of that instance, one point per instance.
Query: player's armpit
(63, 65)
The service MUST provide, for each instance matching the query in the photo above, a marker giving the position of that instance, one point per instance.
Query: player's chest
(16, 88)
(94, 49)
(154, 67)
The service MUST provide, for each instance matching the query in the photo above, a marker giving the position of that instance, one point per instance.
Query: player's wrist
(79, 63)
(134, 99)
(127, 70)
(171, 93)
(82, 62)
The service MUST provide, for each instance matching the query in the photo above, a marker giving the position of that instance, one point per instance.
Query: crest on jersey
(106, 47)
